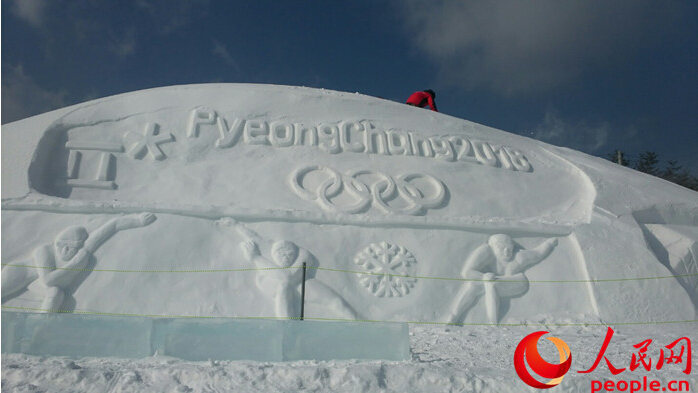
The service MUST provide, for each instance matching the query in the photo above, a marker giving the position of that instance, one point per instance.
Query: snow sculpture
(58, 269)
(148, 142)
(676, 246)
(281, 284)
(282, 275)
(388, 265)
(500, 264)
(106, 159)
(333, 173)
(410, 194)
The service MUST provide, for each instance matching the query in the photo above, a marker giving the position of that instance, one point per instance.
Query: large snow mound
(205, 200)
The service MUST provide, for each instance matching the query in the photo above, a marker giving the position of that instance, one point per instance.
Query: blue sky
(590, 75)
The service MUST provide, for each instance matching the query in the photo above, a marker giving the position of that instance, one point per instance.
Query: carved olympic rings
(354, 191)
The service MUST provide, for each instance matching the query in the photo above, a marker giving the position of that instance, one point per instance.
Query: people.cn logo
(528, 347)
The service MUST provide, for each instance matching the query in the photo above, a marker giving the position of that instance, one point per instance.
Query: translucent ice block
(345, 340)
(201, 339)
(75, 335)
(218, 339)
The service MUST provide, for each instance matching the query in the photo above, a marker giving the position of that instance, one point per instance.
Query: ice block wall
(201, 339)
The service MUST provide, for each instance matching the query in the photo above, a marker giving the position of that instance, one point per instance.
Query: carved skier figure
(500, 264)
(57, 267)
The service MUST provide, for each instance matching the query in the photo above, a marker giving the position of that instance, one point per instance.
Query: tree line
(648, 162)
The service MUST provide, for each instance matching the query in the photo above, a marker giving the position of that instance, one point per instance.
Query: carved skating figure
(283, 275)
(501, 265)
(57, 267)
(281, 283)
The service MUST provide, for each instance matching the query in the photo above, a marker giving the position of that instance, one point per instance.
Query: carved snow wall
(207, 200)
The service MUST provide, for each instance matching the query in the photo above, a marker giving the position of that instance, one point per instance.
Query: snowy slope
(359, 185)
(204, 200)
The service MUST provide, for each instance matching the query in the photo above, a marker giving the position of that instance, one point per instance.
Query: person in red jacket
(422, 99)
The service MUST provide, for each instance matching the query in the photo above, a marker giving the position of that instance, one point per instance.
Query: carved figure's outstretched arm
(249, 246)
(56, 277)
(101, 234)
(241, 228)
(528, 258)
(248, 233)
(250, 250)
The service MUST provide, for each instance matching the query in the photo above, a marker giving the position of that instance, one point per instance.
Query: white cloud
(31, 11)
(584, 136)
(512, 46)
(23, 97)
(170, 15)
(125, 44)
(220, 50)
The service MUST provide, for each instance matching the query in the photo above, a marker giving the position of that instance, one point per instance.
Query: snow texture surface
(208, 200)
(444, 359)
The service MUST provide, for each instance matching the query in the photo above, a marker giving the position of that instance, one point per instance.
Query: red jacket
(422, 99)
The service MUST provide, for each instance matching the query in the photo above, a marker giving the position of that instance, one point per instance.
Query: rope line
(84, 312)
(349, 271)
(152, 271)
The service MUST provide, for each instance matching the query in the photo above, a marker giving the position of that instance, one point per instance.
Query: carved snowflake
(387, 264)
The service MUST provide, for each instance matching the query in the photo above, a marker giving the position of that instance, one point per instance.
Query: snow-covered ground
(444, 359)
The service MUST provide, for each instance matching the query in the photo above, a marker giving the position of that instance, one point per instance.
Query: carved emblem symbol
(388, 264)
(355, 191)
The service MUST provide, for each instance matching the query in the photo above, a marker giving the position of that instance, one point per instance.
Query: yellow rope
(81, 312)
(344, 271)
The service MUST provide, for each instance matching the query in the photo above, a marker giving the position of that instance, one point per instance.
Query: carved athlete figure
(57, 267)
(282, 284)
(283, 275)
(501, 264)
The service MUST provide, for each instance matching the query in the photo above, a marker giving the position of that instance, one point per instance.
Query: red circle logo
(528, 347)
